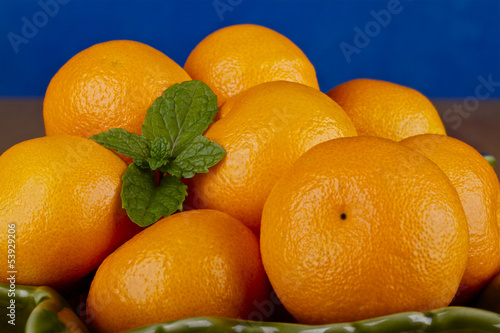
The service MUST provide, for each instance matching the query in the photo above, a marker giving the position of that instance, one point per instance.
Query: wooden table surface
(22, 119)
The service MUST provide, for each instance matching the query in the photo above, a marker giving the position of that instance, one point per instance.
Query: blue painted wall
(438, 47)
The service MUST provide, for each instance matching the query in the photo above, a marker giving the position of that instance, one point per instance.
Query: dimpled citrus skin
(401, 245)
(267, 129)
(498, 209)
(385, 109)
(476, 184)
(108, 85)
(195, 263)
(235, 58)
(63, 194)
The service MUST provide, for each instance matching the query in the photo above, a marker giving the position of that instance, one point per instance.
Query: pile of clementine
(349, 205)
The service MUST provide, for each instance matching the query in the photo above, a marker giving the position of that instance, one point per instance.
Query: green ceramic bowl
(451, 319)
(37, 310)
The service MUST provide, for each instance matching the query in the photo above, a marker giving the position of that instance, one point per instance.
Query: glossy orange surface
(477, 185)
(190, 264)
(388, 110)
(268, 127)
(362, 227)
(235, 58)
(63, 194)
(108, 85)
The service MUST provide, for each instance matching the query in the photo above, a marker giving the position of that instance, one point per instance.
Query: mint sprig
(171, 147)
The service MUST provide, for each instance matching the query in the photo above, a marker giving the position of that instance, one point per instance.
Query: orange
(363, 227)
(235, 58)
(108, 85)
(388, 110)
(63, 195)
(266, 130)
(476, 184)
(498, 208)
(196, 263)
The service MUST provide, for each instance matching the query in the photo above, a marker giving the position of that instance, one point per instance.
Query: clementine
(476, 184)
(61, 195)
(108, 85)
(196, 263)
(235, 58)
(267, 129)
(388, 110)
(363, 227)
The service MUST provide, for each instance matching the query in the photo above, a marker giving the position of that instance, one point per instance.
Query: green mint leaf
(137, 189)
(182, 113)
(196, 157)
(171, 142)
(144, 201)
(123, 142)
(160, 152)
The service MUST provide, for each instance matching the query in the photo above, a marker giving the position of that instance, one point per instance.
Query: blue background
(437, 47)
